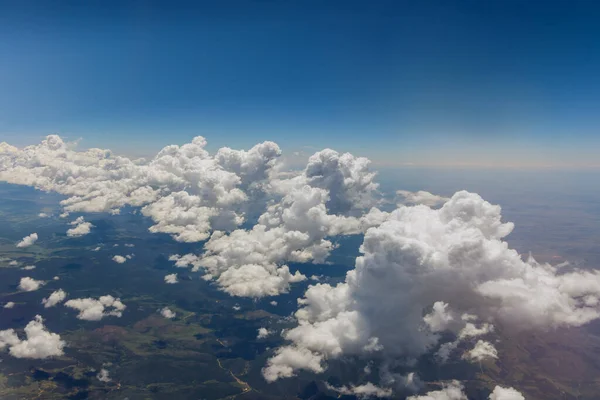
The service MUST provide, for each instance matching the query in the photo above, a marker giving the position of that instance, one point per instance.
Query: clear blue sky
(432, 82)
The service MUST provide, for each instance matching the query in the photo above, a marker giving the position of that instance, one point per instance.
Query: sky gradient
(498, 83)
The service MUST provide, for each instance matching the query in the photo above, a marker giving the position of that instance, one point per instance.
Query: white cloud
(363, 391)
(95, 309)
(28, 284)
(273, 303)
(103, 375)
(481, 351)
(263, 333)
(418, 257)
(55, 298)
(39, 343)
(167, 313)
(56, 278)
(80, 228)
(171, 278)
(119, 259)
(13, 263)
(97, 248)
(28, 240)
(502, 393)
(451, 391)
(28, 267)
(9, 304)
(420, 197)
(43, 215)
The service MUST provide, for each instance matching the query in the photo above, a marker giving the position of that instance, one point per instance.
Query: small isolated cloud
(43, 215)
(56, 278)
(10, 304)
(28, 284)
(129, 245)
(420, 197)
(64, 215)
(39, 342)
(263, 333)
(167, 313)
(119, 259)
(28, 240)
(13, 263)
(273, 303)
(171, 278)
(55, 298)
(103, 375)
(28, 267)
(80, 228)
(236, 307)
(95, 309)
(96, 248)
(451, 391)
(502, 393)
(362, 391)
(481, 351)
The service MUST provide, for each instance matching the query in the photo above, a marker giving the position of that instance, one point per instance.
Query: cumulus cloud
(43, 215)
(39, 343)
(9, 304)
(363, 391)
(91, 309)
(55, 298)
(80, 228)
(28, 240)
(119, 259)
(171, 278)
(452, 260)
(263, 333)
(451, 391)
(420, 197)
(481, 351)
(167, 313)
(103, 375)
(502, 393)
(28, 267)
(28, 284)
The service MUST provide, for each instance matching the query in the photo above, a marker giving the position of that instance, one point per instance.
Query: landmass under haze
(229, 274)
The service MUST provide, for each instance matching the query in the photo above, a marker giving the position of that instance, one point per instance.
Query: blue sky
(420, 82)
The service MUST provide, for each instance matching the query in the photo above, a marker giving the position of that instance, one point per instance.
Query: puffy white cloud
(91, 309)
(171, 278)
(39, 342)
(167, 313)
(28, 240)
(273, 303)
(28, 267)
(13, 263)
(481, 351)
(451, 391)
(453, 259)
(103, 375)
(9, 304)
(55, 298)
(502, 393)
(81, 228)
(363, 391)
(43, 215)
(263, 333)
(420, 197)
(28, 284)
(119, 259)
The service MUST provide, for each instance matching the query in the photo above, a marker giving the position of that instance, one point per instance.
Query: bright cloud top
(39, 343)
(28, 284)
(452, 258)
(91, 309)
(27, 240)
(55, 298)
(80, 228)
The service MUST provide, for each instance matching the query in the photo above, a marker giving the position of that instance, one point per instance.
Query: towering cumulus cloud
(451, 261)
